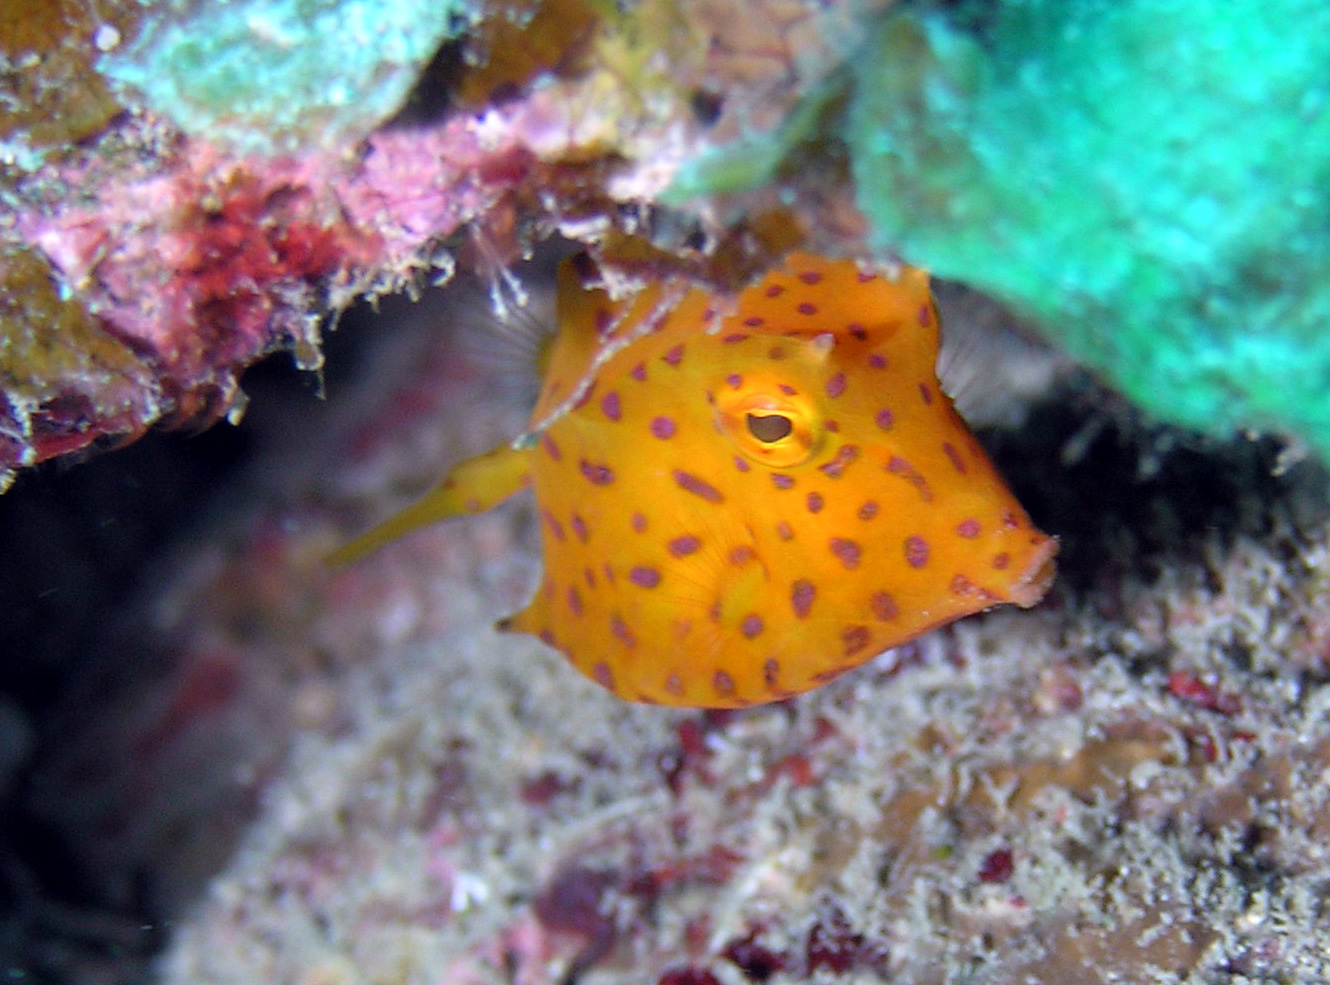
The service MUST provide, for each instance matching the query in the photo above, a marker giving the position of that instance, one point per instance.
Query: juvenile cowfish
(739, 505)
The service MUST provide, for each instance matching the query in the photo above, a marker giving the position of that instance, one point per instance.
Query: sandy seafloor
(350, 779)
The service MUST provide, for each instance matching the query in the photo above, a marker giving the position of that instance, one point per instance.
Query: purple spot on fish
(685, 545)
(845, 456)
(847, 552)
(621, 631)
(916, 551)
(802, 595)
(597, 475)
(663, 427)
(884, 606)
(611, 405)
(900, 467)
(644, 576)
(957, 462)
(698, 487)
(855, 638)
(555, 526)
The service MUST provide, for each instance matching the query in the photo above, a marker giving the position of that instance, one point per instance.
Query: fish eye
(772, 428)
(769, 428)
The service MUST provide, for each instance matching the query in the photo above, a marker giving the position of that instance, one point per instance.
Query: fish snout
(1034, 582)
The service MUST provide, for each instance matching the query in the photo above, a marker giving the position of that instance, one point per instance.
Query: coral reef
(207, 182)
(283, 76)
(224, 176)
(1146, 179)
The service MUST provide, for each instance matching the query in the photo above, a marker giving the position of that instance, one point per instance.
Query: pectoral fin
(474, 486)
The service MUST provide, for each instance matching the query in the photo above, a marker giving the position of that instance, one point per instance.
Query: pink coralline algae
(205, 267)
(207, 226)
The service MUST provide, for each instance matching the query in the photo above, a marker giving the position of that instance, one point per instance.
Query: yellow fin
(474, 486)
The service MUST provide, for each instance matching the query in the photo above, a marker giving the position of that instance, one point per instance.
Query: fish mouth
(1038, 575)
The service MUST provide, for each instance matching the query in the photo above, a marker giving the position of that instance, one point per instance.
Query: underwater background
(270, 268)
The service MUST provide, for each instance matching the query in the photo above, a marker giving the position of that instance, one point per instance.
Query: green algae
(272, 76)
(1146, 179)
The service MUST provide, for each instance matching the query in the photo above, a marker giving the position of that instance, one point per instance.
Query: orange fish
(739, 505)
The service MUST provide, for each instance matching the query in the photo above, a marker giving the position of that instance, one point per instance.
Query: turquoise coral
(1145, 178)
(277, 75)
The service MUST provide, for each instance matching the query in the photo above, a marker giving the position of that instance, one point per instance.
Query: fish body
(740, 503)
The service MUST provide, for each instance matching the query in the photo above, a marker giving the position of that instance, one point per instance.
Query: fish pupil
(769, 428)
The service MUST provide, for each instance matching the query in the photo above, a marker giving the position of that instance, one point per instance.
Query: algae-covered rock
(280, 74)
(50, 96)
(65, 381)
(1147, 178)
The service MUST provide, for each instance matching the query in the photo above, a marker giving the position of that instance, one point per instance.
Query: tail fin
(474, 486)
